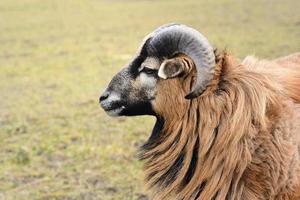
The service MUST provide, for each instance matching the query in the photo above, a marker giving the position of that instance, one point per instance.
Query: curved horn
(171, 39)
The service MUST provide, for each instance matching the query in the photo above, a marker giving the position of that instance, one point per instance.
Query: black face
(131, 91)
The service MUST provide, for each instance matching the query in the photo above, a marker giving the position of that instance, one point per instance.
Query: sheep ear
(171, 68)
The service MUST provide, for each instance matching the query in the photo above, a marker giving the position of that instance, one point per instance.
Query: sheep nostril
(104, 96)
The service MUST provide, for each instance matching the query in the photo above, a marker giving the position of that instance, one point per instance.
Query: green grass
(57, 56)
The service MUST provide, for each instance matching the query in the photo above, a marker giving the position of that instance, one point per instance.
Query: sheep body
(240, 142)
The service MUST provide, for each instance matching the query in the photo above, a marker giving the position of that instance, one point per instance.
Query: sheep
(225, 128)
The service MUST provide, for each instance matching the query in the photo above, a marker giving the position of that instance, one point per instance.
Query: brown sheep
(225, 129)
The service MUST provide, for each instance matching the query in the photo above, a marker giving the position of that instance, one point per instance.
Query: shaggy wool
(239, 140)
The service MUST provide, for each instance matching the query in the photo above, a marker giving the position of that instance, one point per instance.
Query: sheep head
(174, 61)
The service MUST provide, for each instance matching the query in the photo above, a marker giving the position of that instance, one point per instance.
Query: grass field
(57, 56)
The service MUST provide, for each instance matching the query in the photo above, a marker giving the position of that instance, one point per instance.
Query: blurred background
(57, 56)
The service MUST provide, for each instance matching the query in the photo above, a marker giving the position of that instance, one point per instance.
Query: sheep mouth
(114, 111)
(112, 108)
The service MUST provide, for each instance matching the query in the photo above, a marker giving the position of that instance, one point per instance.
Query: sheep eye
(149, 70)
